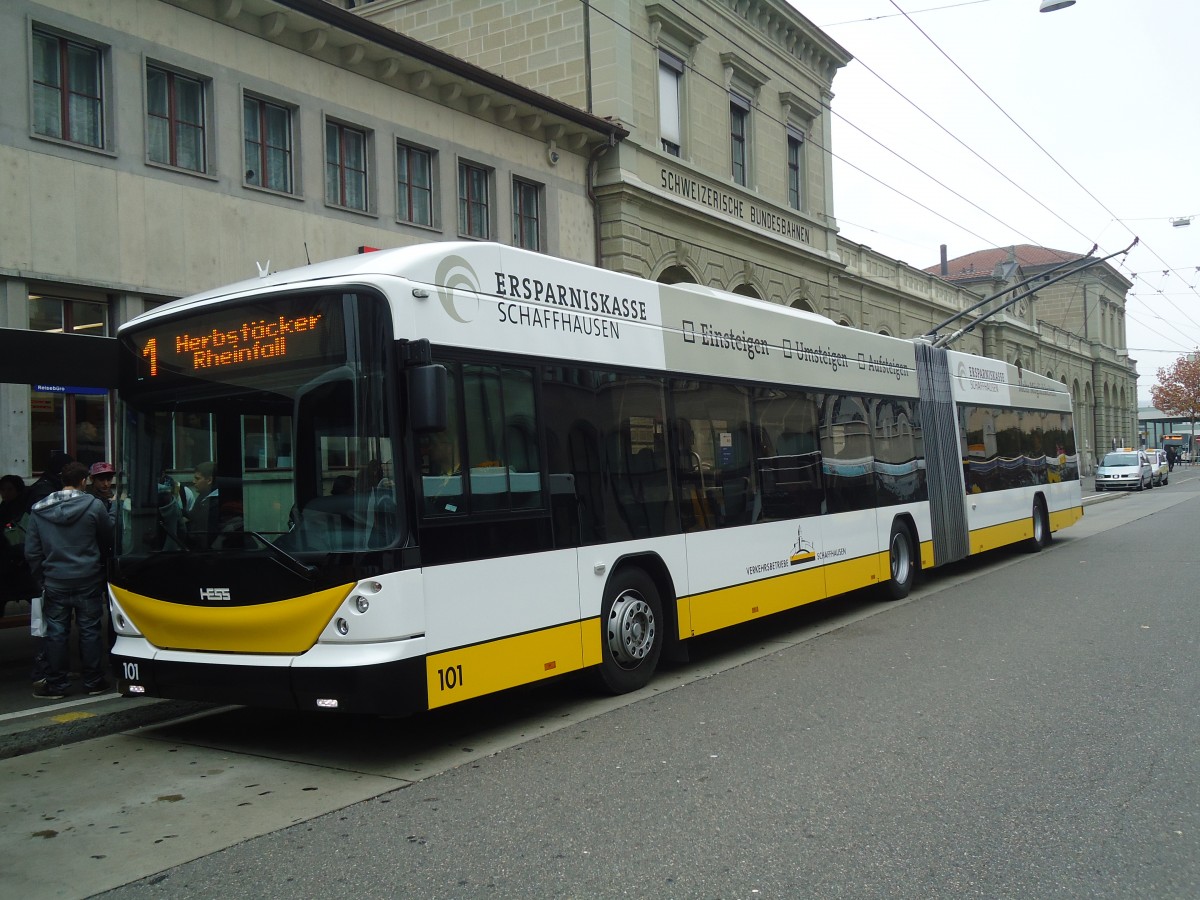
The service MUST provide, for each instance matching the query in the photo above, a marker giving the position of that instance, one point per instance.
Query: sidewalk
(28, 724)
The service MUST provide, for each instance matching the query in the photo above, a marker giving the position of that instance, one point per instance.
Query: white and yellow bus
(433, 473)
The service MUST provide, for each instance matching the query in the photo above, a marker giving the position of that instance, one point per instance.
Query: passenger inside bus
(439, 455)
(694, 511)
(381, 504)
(441, 472)
(203, 516)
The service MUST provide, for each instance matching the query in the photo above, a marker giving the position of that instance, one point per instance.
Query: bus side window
(716, 479)
(440, 457)
(503, 462)
(847, 457)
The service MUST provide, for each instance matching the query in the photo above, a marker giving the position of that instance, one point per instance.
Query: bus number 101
(450, 678)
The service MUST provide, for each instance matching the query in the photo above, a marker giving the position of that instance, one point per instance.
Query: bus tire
(1042, 535)
(631, 632)
(902, 561)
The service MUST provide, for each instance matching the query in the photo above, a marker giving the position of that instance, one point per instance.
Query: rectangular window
(175, 128)
(345, 166)
(497, 449)
(414, 185)
(67, 316)
(795, 163)
(847, 456)
(607, 454)
(787, 448)
(527, 223)
(267, 134)
(473, 213)
(68, 98)
(670, 78)
(899, 451)
(739, 118)
(76, 422)
(717, 484)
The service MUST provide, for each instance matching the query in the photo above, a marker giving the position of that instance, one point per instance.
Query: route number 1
(150, 352)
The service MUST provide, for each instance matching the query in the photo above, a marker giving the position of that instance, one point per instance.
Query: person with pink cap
(101, 477)
(101, 481)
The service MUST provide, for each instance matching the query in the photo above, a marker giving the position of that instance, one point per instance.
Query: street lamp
(1181, 221)
(1052, 5)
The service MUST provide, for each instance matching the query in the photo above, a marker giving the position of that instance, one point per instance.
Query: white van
(1124, 470)
(1159, 470)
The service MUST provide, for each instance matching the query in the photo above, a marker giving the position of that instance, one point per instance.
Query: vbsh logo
(458, 289)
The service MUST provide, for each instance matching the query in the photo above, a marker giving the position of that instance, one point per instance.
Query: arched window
(677, 275)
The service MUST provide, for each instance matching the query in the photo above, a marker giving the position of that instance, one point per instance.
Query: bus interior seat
(329, 523)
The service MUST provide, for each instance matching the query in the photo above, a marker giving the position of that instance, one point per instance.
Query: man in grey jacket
(69, 537)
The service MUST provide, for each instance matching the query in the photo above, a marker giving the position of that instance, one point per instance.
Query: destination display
(224, 343)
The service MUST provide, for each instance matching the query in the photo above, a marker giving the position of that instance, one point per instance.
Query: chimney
(945, 267)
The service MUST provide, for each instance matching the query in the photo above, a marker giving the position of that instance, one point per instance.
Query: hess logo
(214, 593)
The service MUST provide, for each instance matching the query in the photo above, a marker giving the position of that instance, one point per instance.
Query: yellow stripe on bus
(484, 668)
(1007, 533)
(493, 666)
(284, 626)
(719, 609)
(984, 539)
(852, 574)
(1065, 518)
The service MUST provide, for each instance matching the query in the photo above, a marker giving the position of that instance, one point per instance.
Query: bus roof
(488, 296)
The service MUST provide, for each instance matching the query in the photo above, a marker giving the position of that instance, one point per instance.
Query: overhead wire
(817, 142)
(915, 11)
(1037, 144)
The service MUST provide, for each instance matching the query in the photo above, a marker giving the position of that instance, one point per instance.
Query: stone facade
(681, 214)
(565, 96)
(686, 216)
(105, 230)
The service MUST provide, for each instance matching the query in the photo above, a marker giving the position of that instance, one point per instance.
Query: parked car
(1159, 470)
(1124, 470)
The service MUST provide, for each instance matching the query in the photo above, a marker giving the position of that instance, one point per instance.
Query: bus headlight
(121, 622)
(361, 603)
(343, 626)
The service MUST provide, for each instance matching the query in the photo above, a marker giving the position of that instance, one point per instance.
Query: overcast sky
(1090, 114)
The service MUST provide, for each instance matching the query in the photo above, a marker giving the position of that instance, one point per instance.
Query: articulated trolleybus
(396, 481)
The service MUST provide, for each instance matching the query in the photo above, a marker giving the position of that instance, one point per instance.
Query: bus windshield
(262, 422)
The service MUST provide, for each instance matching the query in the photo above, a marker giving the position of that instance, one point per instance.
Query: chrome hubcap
(901, 560)
(630, 629)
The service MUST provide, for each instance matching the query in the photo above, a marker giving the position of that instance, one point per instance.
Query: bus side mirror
(427, 398)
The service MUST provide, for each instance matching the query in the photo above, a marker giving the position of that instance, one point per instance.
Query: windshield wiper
(302, 569)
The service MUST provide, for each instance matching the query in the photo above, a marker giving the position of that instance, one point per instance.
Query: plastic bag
(37, 624)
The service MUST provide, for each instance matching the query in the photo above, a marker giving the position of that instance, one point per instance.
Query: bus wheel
(903, 560)
(631, 620)
(1041, 527)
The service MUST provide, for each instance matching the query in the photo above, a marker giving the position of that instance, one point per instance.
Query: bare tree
(1178, 390)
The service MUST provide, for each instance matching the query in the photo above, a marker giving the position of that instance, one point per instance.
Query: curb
(59, 734)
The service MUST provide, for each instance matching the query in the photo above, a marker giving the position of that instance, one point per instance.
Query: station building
(159, 148)
(154, 149)
(726, 178)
